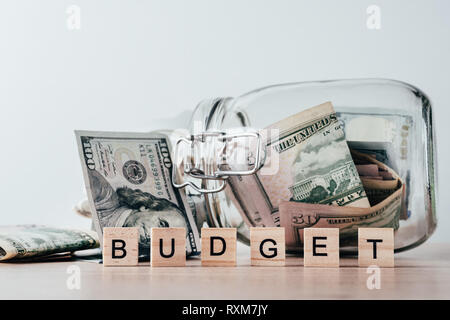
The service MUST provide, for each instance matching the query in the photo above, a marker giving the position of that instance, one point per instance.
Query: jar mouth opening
(208, 115)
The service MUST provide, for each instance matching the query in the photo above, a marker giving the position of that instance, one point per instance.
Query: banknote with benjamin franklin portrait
(128, 183)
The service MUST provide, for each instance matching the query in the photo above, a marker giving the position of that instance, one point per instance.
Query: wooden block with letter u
(120, 246)
(267, 246)
(376, 247)
(321, 247)
(218, 247)
(168, 247)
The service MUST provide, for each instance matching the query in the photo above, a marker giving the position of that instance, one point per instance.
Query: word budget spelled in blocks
(218, 247)
(267, 246)
(168, 247)
(376, 247)
(321, 247)
(120, 246)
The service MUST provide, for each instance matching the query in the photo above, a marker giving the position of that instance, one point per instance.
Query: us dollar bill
(314, 166)
(296, 216)
(30, 241)
(386, 197)
(128, 182)
(379, 190)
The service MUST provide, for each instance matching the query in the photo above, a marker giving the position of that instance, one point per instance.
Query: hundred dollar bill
(128, 182)
(29, 241)
(314, 166)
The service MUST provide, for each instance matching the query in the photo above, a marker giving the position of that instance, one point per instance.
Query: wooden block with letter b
(376, 247)
(218, 247)
(168, 247)
(321, 247)
(120, 246)
(267, 246)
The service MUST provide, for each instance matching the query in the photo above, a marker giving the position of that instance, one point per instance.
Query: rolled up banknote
(29, 241)
(314, 166)
(377, 189)
(128, 183)
(295, 216)
(367, 169)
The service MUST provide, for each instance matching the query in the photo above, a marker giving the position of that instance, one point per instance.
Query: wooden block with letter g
(267, 246)
(218, 247)
(376, 247)
(168, 247)
(120, 246)
(321, 247)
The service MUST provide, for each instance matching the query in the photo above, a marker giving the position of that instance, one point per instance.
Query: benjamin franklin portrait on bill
(127, 207)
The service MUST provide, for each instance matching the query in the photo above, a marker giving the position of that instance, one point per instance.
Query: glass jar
(382, 112)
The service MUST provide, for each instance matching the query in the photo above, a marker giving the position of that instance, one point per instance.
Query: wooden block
(376, 247)
(321, 247)
(267, 246)
(120, 246)
(218, 247)
(168, 247)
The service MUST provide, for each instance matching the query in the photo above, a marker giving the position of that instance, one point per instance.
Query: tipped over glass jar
(243, 158)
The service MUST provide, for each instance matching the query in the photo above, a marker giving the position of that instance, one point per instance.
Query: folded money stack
(385, 196)
(31, 242)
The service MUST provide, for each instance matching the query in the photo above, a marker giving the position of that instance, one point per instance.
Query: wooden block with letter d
(267, 246)
(168, 247)
(321, 247)
(120, 246)
(218, 247)
(376, 247)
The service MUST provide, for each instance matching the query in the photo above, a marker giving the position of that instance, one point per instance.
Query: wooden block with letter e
(168, 247)
(218, 247)
(120, 246)
(321, 247)
(376, 247)
(267, 246)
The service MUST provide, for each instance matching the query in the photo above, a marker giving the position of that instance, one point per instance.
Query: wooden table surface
(422, 273)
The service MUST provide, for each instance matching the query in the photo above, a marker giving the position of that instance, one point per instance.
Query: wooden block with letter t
(321, 247)
(168, 247)
(376, 247)
(267, 246)
(218, 247)
(120, 246)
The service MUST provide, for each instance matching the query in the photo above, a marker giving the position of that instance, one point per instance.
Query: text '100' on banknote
(128, 182)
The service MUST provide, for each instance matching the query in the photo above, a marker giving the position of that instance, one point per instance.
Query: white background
(133, 63)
